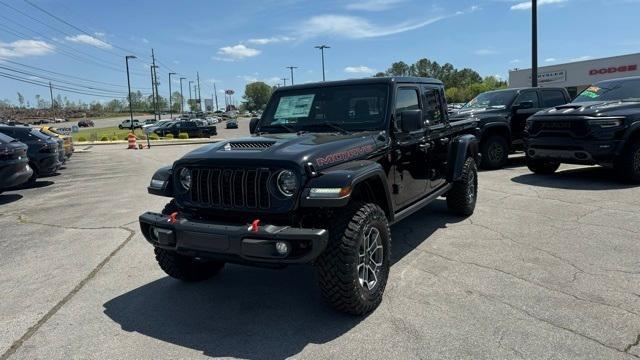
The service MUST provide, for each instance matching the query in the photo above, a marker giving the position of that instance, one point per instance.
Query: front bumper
(234, 243)
(573, 151)
(14, 174)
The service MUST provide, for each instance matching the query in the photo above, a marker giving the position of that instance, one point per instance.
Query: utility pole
(534, 43)
(291, 68)
(170, 108)
(322, 47)
(155, 78)
(181, 96)
(153, 91)
(215, 92)
(285, 81)
(126, 59)
(53, 109)
(199, 95)
(190, 99)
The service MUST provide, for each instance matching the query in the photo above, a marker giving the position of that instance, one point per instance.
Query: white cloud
(236, 52)
(89, 40)
(582, 58)
(526, 5)
(255, 78)
(515, 61)
(271, 40)
(483, 52)
(23, 48)
(373, 5)
(145, 40)
(356, 27)
(550, 60)
(359, 70)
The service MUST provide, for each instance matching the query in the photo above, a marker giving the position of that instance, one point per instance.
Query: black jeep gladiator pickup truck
(502, 115)
(329, 166)
(599, 127)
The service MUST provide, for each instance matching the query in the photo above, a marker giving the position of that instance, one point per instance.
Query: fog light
(282, 247)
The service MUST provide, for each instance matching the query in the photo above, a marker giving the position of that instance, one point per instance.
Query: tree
(399, 69)
(256, 95)
(176, 102)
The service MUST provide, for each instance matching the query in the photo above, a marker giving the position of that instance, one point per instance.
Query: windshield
(351, 107)
(493, 99)
(612, 90)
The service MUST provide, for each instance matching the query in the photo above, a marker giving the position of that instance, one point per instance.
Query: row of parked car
(601, 126)
(27, 153)
(192, 124)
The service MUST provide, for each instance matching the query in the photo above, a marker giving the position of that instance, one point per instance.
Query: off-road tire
(337, 267)
(542, 167)
(183, 267)
(461, 199)
(628, 164)
(495, 152)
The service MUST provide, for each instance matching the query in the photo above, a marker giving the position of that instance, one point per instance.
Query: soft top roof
(365, 81)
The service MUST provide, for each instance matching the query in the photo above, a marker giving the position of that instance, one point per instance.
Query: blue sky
(235, 42)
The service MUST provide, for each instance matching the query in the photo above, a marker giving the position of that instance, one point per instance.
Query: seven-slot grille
(230, 188)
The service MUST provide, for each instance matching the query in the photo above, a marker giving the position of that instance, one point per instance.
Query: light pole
(322, 47)
(126, 60)
(534, 43)
(284, 81)
(181, 96)
(189, 103)
(170, 108)
(291, 68)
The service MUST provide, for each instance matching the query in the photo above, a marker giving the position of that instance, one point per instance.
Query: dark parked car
(42, 152)
(14, 163)
(85, 123)
(330, 166)
(193, 128)
(232, 124)
(599, 127)
(502, 116)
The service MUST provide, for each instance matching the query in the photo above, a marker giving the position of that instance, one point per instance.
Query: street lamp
(534, 43)
(322, 47)
(285, 81)
(170, 108)
(181, 96)
(126, 60)
(291, 68)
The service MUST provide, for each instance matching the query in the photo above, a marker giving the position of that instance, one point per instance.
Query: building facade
(577, 76)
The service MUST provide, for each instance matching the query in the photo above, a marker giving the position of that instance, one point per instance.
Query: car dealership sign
(613, 70)
(552, 77)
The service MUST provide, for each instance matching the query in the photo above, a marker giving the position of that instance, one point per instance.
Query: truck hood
(600, 108)
(322, 150)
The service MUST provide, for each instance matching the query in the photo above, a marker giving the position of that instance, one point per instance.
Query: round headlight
(185, 178)
(287, 183)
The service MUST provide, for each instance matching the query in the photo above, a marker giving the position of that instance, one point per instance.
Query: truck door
(409, 177)
(436, 120)
(520, 116)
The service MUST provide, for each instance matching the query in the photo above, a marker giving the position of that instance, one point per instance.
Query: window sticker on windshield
(594, 89)
(294, 106)
(590, 94)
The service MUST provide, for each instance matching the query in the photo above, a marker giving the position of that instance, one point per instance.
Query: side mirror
(253, 124)
(410, 120)
(523, 105)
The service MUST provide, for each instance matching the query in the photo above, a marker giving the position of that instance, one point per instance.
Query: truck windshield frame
(350, 107)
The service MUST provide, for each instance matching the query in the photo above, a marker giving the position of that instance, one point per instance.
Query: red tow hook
(172, 218)
(255, 225)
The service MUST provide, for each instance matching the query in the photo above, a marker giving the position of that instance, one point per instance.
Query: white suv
(126, 124)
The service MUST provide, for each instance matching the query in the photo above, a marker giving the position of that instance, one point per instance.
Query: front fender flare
(346, 175)
(459, 149)
(161, 182)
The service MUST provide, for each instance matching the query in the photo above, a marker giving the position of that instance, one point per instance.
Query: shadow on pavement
(253, 313)
(589, 178)
(40, 184)
(9, 198)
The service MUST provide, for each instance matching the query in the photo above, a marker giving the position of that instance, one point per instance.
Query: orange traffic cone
(132, 141)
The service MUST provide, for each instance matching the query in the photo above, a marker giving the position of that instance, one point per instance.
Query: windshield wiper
(631, 100)
(335, 126)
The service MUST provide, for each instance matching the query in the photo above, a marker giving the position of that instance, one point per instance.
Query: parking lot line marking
(33, 329)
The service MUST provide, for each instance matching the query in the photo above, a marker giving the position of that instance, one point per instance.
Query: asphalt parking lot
(547, 267)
